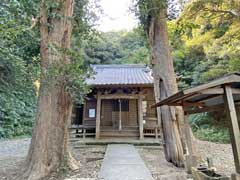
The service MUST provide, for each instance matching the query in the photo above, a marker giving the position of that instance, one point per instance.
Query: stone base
(200, 175)
(235, 176)
(190, 161)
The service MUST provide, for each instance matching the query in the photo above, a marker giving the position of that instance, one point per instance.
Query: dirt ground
(221, 155)
(13, 152)
(159, 167)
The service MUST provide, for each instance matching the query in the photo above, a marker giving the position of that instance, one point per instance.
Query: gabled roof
(127, 74)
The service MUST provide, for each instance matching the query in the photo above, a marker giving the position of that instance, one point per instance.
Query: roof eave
(121, 85)
(181, 95)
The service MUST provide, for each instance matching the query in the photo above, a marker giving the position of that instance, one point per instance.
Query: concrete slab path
(122, 162)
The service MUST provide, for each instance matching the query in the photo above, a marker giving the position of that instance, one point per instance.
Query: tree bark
(49, 145)
(170, 118)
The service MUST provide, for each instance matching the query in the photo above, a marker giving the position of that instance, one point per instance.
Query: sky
(116, 16)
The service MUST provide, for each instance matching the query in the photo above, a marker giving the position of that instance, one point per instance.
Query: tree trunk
(49, 145)
(170, 118)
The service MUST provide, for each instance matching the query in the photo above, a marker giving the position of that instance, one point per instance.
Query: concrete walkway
(122, 162)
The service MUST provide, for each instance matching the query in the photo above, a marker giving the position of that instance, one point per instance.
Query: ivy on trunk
(49, 145)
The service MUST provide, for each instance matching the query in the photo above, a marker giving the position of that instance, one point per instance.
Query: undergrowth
(205, 128)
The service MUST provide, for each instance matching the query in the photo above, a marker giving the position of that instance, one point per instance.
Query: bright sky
(116, 16)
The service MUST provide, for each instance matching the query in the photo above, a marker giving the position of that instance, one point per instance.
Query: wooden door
(106, 114)
(133, 113)
(125, 112)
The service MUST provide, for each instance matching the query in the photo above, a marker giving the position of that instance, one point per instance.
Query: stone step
(116, 128)
(123, 133)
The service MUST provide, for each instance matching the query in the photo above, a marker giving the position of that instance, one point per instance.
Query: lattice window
(124, 105)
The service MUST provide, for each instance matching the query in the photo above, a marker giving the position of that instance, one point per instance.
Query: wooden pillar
(98, 117)
(156, 133)
(84, 133)
(140, 116)
(191, 159)
(120, 115)
(84, 111)
(234, 126)
(188, 136)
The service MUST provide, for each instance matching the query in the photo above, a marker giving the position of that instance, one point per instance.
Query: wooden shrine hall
(221, 95)
(119, 104)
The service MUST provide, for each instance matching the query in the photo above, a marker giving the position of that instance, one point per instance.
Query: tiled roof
(121, 74)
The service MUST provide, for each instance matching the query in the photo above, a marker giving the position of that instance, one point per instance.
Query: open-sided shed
(222, 94)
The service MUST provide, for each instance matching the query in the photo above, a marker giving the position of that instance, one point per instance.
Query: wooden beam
(169, 99)
(225, 80)
(212, 91)
(218, 91)
(118, 96)
(98, 117)
(196, 90)
(140, 116)
(185, 103)
(210, 96)
(234, 127)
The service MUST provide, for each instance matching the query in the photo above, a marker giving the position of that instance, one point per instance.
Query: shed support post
(84, 133)
(98, 117)
(156, 133)
(188, 136)
(190, 157)
(140, 116)
(234, 128)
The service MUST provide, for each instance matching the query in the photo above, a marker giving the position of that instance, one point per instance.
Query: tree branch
(34, 22)
(232, 13)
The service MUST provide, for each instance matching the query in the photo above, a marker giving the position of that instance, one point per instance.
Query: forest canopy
(205, 45)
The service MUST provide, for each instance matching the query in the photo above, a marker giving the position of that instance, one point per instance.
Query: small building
(119, 104)
(221, 96)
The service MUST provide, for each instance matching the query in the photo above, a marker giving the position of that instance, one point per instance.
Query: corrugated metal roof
(115, 74)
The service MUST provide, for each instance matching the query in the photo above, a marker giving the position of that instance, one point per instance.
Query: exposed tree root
(73, 164)
(39, 170)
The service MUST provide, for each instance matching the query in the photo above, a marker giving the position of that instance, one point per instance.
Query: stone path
(122, 162)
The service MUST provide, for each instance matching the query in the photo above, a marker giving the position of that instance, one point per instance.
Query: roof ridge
(118, 66)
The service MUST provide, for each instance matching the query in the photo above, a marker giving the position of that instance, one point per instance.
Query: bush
(206, 128)
(17, 110)
(220, 135)
(17, 96)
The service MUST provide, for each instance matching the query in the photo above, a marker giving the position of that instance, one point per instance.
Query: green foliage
(198, 120)
(205, 41)
(17, 96)
(147, 10)
(219, 135)
(206, 128)
(20, 61)
(17, 111)
(71, 75)
(206, 44)
(19, 51)
(85, 15)
(116, 48)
